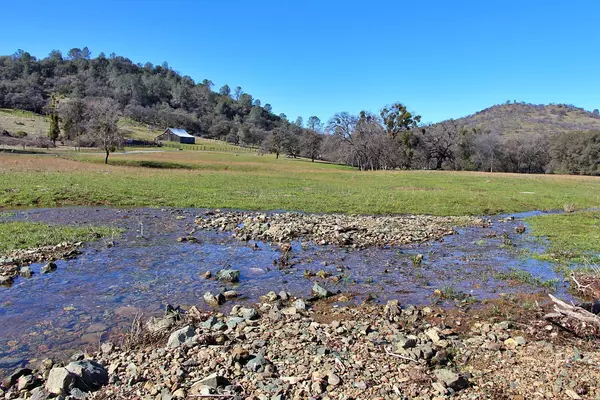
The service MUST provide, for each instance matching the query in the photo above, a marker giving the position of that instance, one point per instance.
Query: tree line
(84, 97)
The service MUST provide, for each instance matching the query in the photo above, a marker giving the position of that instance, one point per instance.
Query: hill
(524, 118)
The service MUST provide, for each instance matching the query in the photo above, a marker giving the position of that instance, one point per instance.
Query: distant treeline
(67, 87)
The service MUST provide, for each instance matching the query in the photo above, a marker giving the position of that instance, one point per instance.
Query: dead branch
(570, 311)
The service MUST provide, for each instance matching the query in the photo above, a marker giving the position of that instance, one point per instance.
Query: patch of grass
(252, 182)
(27, 235)
(527, 278)
(573, 237)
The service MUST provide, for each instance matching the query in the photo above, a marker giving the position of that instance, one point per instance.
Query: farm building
(176, 135)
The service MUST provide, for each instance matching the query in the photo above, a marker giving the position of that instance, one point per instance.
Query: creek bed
(95, 296)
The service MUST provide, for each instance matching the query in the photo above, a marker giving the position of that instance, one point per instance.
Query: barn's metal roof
(179, 132)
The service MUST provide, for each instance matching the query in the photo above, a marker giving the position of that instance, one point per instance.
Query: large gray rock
(14, 377)
(50, 267)
(92, 375)
(59, 380)
(228, 275)
(180, 337)
(26, 272)
(6, 280)
(451, 379)
(320, 291)
(248, 313)
(214, 300)
(213, 381)
(38, 394)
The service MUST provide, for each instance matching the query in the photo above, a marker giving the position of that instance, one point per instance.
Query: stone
(180, 337)
(107, 348)
(26, 272)
(50, 267)
(299, 304)
(451, 379)
(392, 308)
(179, 394)
(213, 381)
(207, 275)
(6, 280)
(257, 364)
(92, 375)
(333, 379)
(27, 382)
(248, 313)
(155, 324)
(271, 296)
(38, 394)
(510, 343)
(58, 381)
(520, 340)
(77, 394)
(320, 291)
(232, 322)
(210, 322)
(214, 300)
(405, 342)
(230, 294)
(433, 335)
(228, 275)
(284, 296)
(12, 379)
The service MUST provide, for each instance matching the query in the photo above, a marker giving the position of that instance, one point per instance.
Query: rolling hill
(519, 118)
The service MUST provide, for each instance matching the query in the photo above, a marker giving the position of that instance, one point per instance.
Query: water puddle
(96, 296)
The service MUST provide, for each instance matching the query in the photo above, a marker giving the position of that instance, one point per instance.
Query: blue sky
(443, 59)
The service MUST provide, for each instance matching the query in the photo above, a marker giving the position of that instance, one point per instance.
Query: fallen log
(562, 309)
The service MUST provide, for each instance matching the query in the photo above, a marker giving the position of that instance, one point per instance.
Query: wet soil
(95, 296)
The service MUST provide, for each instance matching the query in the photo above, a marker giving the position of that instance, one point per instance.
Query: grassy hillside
(516, 118)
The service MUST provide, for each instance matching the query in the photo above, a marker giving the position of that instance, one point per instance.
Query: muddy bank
(287, 348)
(95, 297)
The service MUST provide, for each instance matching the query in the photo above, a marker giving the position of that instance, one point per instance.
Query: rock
(510, 343)
(572, 394)
(520, 340)
(26, 272)
(248, 313)
(180, 337)
(210, 322)
(232, 322)
(77, 394)
(271, 297)
(392, 309)
(78, 356)
(155, 324)
(207, 275)
(299, 304)
(404, 342)
(239, 354)
(214, 300)
(433, 335)
(6, 280)
(50, 267)
(228, 275)
(230, 294)
(58, 381)
(38, 394)
(107, 348)
(333, 379)
(179, 394)
(257, 364)
(320, 291)
(12, 379)
(27, 382)
(213, 381)
(92, 375)
(451, 379)
(285, 296)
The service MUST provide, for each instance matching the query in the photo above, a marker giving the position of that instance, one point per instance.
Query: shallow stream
(95, 296)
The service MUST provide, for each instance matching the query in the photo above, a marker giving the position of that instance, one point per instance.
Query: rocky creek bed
(288, 348)
(163, 257)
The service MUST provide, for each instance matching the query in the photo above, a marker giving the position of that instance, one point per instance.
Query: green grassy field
(252, 182)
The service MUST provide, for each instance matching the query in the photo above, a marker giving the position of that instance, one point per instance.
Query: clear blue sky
(441, 58)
